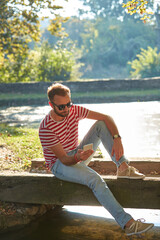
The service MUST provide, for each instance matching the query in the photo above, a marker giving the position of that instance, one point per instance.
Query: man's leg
(100, 133)
(80, 173)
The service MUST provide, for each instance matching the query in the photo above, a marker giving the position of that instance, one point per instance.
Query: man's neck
(56, 117)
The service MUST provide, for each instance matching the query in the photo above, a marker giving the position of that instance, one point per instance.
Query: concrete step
(148, 166)
(47, 189)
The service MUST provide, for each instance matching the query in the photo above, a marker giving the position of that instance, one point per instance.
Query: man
(66, 159)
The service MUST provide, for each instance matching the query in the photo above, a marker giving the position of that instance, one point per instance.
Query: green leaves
(41, 64)
(53, 64)
(20, 21)
(19, 25)
(147, 63)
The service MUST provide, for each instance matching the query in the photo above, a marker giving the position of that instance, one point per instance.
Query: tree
(103, 8)
(54, 64)
(147, 63)
(157, 16)
(19, 24)
(110, 44)
(43, 63)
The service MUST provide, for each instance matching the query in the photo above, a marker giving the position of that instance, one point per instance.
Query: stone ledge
(46, 189)
(80, 86)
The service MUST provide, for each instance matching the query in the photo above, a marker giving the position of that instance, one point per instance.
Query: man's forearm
(68, 160)
(112, 127)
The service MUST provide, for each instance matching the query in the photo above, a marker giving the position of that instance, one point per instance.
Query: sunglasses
(62, 106)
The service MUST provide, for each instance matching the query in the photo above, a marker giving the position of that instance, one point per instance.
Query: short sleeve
(47, 138)
(81, 112)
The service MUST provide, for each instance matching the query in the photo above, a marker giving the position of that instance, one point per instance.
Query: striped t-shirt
(64, 132)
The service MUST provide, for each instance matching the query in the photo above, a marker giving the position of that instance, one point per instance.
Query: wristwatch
(116, 136)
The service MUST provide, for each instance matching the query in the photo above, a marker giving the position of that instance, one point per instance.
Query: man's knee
(96, 182)
(101, 126)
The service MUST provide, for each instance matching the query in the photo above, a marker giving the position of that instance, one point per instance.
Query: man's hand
(117, 149)
(84, 155)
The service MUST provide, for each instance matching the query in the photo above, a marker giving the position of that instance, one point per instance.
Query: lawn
(129, 93)
(18, 146)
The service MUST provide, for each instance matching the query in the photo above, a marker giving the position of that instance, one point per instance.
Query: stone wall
(86, 86)
(83, 86)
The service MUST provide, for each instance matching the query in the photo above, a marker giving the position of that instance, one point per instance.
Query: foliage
(76, 27)
(109, 42)
(13, 68)
(139, 6)
(53, 64)
(19, 21)
(22, 143)
(147, 63)
(42, 64)
(19, 25)
(113, 8)
(104, 43)
(103, 8)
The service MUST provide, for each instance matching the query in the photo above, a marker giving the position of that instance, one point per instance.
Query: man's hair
(57, 89)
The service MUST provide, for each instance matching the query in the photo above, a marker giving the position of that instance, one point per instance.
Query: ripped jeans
(82, 174)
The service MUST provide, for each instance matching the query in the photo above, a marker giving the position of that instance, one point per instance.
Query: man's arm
(70, 160)
(107, 119)
(117, 144)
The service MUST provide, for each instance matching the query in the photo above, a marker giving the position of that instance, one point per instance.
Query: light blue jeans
(81, 173)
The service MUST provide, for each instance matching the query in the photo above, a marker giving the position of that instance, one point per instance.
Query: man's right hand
(84, 155)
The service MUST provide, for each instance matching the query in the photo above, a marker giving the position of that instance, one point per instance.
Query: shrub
(147, 63)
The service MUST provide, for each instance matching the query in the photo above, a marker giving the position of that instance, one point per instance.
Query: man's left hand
(117, 149)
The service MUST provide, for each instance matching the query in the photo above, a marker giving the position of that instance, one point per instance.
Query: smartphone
(88, 146)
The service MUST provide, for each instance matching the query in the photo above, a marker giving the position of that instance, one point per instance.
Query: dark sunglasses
(62, 106)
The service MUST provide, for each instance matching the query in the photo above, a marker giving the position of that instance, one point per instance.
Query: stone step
(148, 167)
(47, 189)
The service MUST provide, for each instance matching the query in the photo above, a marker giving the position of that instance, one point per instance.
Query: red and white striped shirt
(64, 132)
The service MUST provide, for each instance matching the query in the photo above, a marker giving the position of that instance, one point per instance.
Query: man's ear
(50, 104)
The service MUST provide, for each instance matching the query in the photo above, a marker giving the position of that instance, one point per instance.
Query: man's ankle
(129, 223)
(123, 167)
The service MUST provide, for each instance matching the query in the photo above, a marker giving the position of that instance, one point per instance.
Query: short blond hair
(57, 89)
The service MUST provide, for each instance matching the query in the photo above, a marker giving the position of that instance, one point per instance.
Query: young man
(66, 159)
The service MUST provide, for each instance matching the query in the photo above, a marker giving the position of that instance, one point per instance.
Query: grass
(118, 93)
(129, 93)
(20, 145)
(10, 96)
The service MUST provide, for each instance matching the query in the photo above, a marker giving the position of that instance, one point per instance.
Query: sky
(70, 7)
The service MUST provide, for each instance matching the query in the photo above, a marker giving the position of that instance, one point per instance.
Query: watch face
(116, 136)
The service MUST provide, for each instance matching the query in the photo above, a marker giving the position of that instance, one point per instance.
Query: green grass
(130, 93)
(22, 146)
(118, 93)
(10, 96)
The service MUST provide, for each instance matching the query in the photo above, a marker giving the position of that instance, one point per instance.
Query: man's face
(58, 101)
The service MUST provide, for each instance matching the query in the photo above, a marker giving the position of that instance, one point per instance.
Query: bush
(41, 64)
(147, 64)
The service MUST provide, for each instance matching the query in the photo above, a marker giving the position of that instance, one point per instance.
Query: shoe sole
(145, 230)
(127, 177)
